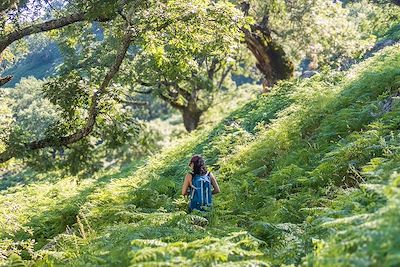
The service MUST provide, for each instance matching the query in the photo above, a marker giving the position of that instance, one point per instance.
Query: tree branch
(213, 69)
(223, 76)
(171, 101)
(130, 101)
(180, 90)
(167, 84)
(143, 83)
(40, 27)
(4, 80)
(53, 24)
(142, 92)
(93, 111)
(135, 103)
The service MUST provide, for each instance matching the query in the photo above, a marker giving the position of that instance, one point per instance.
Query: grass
(309, 176)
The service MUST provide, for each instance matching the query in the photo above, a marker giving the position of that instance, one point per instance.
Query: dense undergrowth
(309, 176)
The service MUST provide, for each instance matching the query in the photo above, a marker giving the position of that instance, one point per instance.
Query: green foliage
(33, 117)
(308, 176)
(206, 32)
(33, 114)
(236, 247)
(327, 32)
(6, 120)
(369, 239)
(380, 19)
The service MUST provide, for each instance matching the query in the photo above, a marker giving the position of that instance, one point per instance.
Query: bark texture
(271, 58)
(191, 117)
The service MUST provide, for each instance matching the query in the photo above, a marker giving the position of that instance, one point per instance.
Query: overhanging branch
(4, 80)
(40, 27)
(53, 24)
(93, 111)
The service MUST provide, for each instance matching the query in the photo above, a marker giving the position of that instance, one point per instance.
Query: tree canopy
(99, 72)
(179, 51)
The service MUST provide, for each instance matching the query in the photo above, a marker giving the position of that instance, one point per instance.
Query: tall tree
(185, 41)
(286, 32)
(185, 63)
(271, 58)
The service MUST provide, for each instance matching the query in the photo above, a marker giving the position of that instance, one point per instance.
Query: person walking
(199, 185)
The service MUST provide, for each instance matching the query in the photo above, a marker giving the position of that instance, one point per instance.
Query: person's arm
(186, 184)
(215, 185)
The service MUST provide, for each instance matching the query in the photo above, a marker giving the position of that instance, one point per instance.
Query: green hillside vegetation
(309, 175)
(39, 64)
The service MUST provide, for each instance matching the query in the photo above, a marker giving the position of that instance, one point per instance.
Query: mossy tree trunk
(272, 60)
(191, 116)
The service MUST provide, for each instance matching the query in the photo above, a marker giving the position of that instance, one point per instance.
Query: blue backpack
(201, 194)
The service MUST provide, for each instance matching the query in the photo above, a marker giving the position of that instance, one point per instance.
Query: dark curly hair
(199, 165)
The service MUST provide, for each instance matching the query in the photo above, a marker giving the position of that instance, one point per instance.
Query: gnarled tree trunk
(191, 116)
(190, 110)
(271, 58)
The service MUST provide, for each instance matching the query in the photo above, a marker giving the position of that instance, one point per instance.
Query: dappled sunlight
(298, 123)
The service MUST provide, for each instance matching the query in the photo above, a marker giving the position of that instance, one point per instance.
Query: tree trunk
(272, 60)
(191, 119)
(191, 116)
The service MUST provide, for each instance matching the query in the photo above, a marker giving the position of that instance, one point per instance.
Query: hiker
(199, 185)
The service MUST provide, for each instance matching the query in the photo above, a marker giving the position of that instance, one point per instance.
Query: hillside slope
(40, 63)
(309, 176)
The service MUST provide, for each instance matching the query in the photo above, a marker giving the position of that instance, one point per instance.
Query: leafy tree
(185, 63)
(376, 18)
(32, 113)
(29, 116)
(6, 119)
(324, 32)
(88, 89)
(181, 50)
